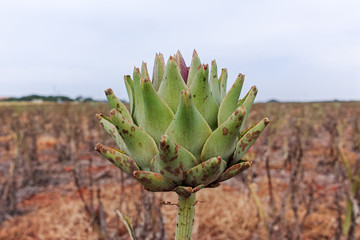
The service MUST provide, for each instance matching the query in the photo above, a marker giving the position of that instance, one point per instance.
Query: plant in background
(183, 131)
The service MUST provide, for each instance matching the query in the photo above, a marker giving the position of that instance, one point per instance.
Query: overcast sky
(291, 50)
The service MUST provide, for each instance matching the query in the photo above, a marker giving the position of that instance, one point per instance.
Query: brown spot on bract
(118, 105)
(225, 131)
(243, 145)
(163, 158)
(125, 131)
(204, 178)
(145, 180)
(177, 171)
(132, 128)
(108, 91)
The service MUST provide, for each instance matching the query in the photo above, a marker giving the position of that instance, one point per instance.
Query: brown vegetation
(304, 183)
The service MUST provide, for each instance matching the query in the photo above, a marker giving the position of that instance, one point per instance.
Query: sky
(306, 50)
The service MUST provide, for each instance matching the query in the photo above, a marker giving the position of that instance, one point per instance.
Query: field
(304, 182)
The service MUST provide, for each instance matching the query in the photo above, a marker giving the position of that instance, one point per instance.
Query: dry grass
(221, 214)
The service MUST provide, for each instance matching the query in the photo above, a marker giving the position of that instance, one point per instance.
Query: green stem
(185, 217)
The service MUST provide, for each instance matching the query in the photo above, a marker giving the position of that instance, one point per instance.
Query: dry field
(304, 183)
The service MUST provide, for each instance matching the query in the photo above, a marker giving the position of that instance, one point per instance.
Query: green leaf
(117, 104)
(144, 71)
(189, 129)
(142, 148)
(106, 123)
(118, 158)
(130, 90)
(247, 102)
(195, 63)
(172, 160)
(248, 138)
(214, 83)
(172, 85)
(222, 82)
(157, 113)
(126, 220)
(206, 172)
(138, 114)
(202, 97)
(234, 170)
(222, 141)
(158, 70)
(154, 181)
(229, 103)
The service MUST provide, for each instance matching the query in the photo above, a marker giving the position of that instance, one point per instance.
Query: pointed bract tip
(136, 173)
(218, 159)
(255, 90)
(137, 70)
(194, 53)
(99, 148)
(98, 116)
(113, 112)
(145, 81)
(205, 66)
(266, 121)
(163, 138)
(242, 76)
(163, 142)
(186, 93)
(108, 91)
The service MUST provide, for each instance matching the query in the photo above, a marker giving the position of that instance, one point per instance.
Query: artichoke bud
(183, 131)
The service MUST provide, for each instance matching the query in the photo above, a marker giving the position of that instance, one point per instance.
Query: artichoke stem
(185, 217)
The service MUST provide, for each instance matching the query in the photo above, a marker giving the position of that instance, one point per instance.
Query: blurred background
(57, 57)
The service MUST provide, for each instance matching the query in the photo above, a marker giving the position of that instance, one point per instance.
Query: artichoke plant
(183, 132)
